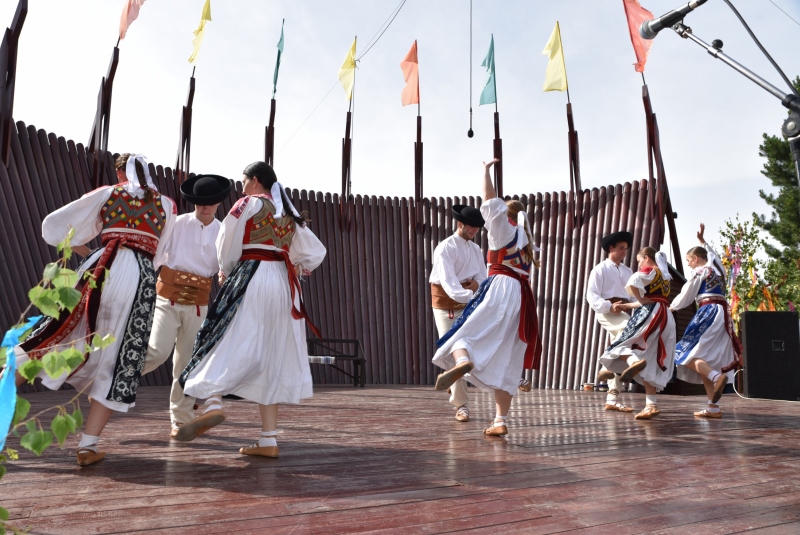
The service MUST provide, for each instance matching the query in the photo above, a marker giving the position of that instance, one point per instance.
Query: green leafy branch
(54, 294)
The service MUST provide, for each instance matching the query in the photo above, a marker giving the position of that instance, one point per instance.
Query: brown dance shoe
(446, 379)
(705, 414)
(648, 412)
(190, 431)
(462, 414)
(525, 385)
(496, 430)
(632, 371)
(719, 386)
(604, 376)
(261, 451)
(617, 406)
(86, 456)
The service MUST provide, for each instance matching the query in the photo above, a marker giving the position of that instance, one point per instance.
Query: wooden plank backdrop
(373, 285)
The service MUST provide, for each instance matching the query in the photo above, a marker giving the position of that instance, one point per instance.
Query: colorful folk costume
(253, 341)
(184, 287)
(456, 262)
(606, 287)
(133, 234)
(498, 329)
(710, 335)
(645, 351)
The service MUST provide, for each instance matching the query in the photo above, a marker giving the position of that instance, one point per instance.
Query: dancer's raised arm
(488, 187)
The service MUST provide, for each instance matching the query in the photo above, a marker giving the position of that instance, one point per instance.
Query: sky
(711, 118)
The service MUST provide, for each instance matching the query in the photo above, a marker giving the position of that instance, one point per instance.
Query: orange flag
(129, 13)
(410, 66)
(636, 15)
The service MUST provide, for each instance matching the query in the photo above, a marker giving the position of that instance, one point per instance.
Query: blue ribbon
(8, 387)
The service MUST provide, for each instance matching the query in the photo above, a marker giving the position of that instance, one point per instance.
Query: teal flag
(489, 93)
(278, 62)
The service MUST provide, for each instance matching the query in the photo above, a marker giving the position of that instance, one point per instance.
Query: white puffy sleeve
(171, 210)
(689, 290)
(640, 280)
(306, 250)
(501, 231)
(231, 232)
(713, 259)
(83, 215)
(593, 291)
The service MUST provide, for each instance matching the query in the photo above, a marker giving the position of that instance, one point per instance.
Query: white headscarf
(133, 186)
(661, 262)
(277, 200)
(522, 236)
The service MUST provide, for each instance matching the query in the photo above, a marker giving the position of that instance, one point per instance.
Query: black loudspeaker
(771, 355)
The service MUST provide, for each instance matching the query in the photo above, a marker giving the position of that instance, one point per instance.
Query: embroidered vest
(658, 286)
(138, 223)
(711, 284)
(265, 229)
(510, 256)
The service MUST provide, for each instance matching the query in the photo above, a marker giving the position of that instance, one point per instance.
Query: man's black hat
(615, 238)
(468, 215)
(205, 190)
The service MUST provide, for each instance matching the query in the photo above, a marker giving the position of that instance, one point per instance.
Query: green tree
(783, 224)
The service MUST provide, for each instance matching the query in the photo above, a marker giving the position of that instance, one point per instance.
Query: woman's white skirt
(97, 373)
(714, 347)
(645, 349)
(491, 337)
(263, 354)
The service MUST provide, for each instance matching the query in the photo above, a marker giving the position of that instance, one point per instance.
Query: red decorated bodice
(137, 223)
(266, 229)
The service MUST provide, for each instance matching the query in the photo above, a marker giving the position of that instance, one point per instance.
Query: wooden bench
(332, 351)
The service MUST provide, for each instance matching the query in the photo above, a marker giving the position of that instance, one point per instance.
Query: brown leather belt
(615, 300)
(183, 287)
(441, 301)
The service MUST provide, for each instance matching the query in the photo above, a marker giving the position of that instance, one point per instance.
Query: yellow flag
(200, 31)
(555, 77)
(347, 74)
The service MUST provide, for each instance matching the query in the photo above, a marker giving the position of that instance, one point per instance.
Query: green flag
(489, 93)
(278, 62)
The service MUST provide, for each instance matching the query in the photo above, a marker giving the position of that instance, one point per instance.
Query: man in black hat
(608, 298)
(184, 286)
(458, 269)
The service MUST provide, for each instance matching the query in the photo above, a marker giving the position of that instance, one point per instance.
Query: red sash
(528, 321)
(659, 323)
(737, 344)
(265, 255)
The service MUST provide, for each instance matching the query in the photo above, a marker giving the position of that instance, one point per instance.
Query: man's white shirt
(193, 247)
(607, 280)
(456, 260)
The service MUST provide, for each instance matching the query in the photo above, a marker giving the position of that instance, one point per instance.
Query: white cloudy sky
(711, 118)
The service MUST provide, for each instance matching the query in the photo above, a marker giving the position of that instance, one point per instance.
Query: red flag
(636, 15)
(410, 66)
(129, 13)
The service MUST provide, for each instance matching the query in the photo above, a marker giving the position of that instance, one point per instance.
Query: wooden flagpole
(8, 77)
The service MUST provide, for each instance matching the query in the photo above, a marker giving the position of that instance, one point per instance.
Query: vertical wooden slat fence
(373, 285)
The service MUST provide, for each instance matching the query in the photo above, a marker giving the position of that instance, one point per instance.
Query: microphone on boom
(650, 28)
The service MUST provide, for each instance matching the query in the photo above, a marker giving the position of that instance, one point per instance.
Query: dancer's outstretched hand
(701, 232)
(491, 163)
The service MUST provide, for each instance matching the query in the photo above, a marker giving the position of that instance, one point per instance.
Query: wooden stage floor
(394, 460)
